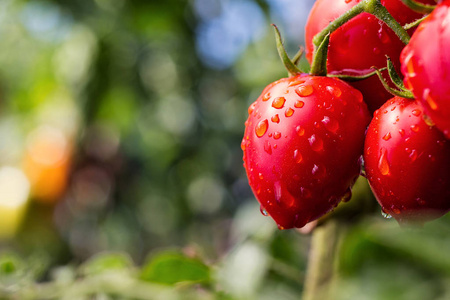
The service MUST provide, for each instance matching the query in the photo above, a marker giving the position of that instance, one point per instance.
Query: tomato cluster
(308, 136)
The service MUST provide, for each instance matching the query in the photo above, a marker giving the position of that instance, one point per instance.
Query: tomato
(359, 44)
(426, 66)
(302, 146)
(407, 163)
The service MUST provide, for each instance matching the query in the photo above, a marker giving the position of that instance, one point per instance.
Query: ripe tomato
(407, 162)
(359, 44)
(426, 66)
(303, 140)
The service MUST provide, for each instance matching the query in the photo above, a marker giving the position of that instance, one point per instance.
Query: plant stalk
(323, 263)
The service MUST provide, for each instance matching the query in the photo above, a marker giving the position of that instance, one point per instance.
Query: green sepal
(287, 62)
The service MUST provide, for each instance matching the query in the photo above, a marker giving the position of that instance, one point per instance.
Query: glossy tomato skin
(407, 163)
(359, 44)
(303, 140)
(426, 66)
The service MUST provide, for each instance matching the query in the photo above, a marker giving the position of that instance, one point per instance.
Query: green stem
(373, 7)
(419, 7)
(323, 264)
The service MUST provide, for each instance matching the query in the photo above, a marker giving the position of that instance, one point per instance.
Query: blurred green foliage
(123, 178)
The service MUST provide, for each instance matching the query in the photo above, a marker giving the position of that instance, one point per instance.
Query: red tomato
(359, 44)
(407, 163)
(426, 66)
(303, 140)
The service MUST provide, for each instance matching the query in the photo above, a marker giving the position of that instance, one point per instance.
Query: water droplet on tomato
(263, 211)
(387, 136)
(300, 130)
(276, 135)
(385, 214)
(335, 91)
(289, 112)
(402, 132)
(275, 119)
(304, 90)
(261, 128)
(413, 155)
(299, 104)
(261, 176)
(395, 210)
(266, 97)
(297, 156)
(319, 171)
(267, 147)
(414, 128)
(316, 143)
(277, 191)
(416, 112)
(251, 108)
(297, 82)
(383, 164)
(280, 227)
(347, 196)
(278, 102)
(330, 124)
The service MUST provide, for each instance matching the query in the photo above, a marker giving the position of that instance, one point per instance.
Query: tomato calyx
(290, 65)
(400, 90)
(419, 7)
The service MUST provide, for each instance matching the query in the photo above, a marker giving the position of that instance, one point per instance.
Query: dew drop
(289, 112)
(304, 90)
(263, 211)
(402, 132)
(330, 124)
(385, 214)
(280, 227)
(297, 156)
(413, 155)
(316, 143)
(297, 82)
(300, 130)
(335, 91)
(278, 102)
(387, 136)
(299, 104)
(416, 112)
(347, 196)
(261, 176)
(261, 127)
(319, 171)
(277, 191)
(243, 144)
(267, 147)
(414, 128)
(266, 97)
(276, 135)
(395, 210)
(251, 108)
(275, 119)
(383, 164)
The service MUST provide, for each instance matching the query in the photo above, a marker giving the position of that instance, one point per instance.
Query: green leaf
(106, 262)
(172, 267)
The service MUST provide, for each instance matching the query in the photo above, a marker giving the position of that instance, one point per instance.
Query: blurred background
(120, 131)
